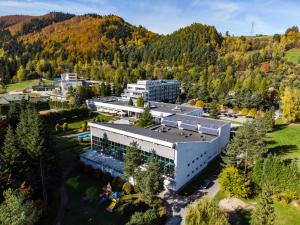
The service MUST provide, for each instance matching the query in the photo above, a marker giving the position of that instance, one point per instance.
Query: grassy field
(293, 55)
(285, 141)
(24, 84)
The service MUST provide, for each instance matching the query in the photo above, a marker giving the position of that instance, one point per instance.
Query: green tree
(84, 126)
(150, 217)
(21, 74)
(264, 213)
(145, 119)
(16, 210)
(252, 113)
(247, 146)
(214, 110)
(65, 126)
(150, 181)
(140, 102)
(10, 161)
(130, 102)
(205, 212)
(132, 160)
(233, 183)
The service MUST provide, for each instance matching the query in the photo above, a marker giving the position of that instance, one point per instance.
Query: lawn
(293, 55)
(24, 84)
(285, 141)
(88, 212)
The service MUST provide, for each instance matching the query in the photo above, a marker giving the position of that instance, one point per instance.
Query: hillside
(8, 21)
(36, 23)
(89, 34)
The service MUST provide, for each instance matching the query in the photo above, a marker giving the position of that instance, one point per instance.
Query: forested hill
(7, 21)
(234, 71)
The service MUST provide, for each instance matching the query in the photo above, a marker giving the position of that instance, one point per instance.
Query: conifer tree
(133, 160)
(264, 213)
(130, 102)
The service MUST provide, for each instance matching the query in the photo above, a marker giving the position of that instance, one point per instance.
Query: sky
(165, 16)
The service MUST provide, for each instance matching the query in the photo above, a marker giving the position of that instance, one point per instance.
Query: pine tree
(151, 182)
(132, 161)
(10, 163)
(145, 118)
(130, 102)
(140, 102)
(264, 213)
(214, 110)
(16, 210)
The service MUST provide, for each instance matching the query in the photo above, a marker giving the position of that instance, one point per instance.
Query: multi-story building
(153, 90)
(69, 80)
(184, 145)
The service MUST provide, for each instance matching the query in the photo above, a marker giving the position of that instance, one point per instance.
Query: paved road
(177, 205)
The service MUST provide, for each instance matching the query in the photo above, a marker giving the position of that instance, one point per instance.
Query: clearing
(293, 55)
(285, 142)
(24, 84)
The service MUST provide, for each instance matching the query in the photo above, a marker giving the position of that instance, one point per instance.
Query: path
(64, 198)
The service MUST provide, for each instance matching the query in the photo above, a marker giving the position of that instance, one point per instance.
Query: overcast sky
(166, 16)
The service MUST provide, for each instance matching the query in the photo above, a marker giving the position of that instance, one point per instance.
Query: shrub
(73, 182)
(65, 126)
(235, 109)
(57, 127)
(200, 103)
(91, 192)
(244, 112)
(150, 217)
(252, 113)
(127, 188)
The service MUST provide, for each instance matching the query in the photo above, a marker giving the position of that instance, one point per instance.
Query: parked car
(206, 183)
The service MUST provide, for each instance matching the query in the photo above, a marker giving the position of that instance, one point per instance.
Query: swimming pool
(84, 135)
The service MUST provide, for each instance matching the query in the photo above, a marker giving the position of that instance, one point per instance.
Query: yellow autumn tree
(291, 104)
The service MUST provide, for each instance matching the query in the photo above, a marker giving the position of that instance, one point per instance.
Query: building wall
(147, 146)
(191, 158)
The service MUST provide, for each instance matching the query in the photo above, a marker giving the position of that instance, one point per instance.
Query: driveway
(177, 205)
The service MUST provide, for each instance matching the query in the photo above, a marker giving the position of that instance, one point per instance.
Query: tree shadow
(278, 127)
(283, 149)
(240, 216)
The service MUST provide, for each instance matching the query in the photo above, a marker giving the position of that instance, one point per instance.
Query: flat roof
(194, 120)
(154, 106)
(161, 132)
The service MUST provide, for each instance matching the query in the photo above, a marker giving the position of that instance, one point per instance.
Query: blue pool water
(83, 135)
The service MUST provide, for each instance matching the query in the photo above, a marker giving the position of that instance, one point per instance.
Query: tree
(21, 74)
(150, 182)
(205, 212)
(264, 212)
(17, 210)
(178, 100)
(150, 217)
(214, 110)
(247, 146)
(10, 162)
(31, 136)
(291, 104)
(269, 117)
(132, 161)
(145, 119)
(234, 183)
(140, 102)
(130, 102)
(57, 127)
(84, 126)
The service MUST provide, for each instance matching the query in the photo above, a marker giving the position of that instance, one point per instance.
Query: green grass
(24, 84)
(88, 212)
(285, 142)
(293, 55)
(287, 214)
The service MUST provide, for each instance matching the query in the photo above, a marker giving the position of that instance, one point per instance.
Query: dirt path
(64, 198)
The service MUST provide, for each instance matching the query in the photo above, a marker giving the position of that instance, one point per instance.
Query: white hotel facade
(184, 144)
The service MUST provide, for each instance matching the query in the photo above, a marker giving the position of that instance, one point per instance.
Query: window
(192, 171)
(188, 164)
(188, 175)
(193, 161)
(197, 158)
